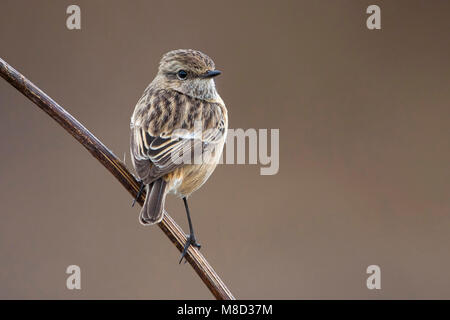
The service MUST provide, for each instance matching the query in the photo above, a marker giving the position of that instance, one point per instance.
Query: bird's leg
(191, 238)
(139, 193)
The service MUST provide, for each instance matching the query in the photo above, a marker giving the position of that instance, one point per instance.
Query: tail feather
(153, 210)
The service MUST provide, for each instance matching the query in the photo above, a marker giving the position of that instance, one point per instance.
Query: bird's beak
(211, 74)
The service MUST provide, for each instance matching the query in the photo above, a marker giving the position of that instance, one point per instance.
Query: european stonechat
(178, 129)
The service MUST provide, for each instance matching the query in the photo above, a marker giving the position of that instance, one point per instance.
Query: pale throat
(204, 89)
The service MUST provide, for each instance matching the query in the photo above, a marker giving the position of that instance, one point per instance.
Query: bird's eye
(182, 74)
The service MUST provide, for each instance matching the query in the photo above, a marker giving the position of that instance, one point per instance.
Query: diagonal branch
(118, 170)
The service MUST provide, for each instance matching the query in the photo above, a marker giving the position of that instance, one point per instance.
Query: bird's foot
(190, 241)
(139, 193)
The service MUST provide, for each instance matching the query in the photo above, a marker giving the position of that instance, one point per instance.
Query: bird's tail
(153, 210)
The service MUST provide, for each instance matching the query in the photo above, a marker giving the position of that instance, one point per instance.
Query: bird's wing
(170, 129)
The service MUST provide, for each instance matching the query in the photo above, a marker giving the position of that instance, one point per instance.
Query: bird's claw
(139, 193)
(190, 241)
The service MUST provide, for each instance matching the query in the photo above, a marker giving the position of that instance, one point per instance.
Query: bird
(178, 130)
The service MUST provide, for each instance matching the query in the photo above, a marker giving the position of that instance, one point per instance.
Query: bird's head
(190, 72)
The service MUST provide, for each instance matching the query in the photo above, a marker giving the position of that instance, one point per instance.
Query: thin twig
(119, 170)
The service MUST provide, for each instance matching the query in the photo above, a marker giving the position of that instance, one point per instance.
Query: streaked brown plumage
(180, 100)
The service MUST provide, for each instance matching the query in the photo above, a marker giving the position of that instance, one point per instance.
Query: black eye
(182, 74)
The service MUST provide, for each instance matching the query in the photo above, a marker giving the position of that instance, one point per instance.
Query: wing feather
(170, 129)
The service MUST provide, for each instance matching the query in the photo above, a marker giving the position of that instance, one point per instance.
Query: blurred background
(364, 157)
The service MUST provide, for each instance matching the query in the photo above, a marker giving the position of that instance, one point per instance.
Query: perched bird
(178, 130)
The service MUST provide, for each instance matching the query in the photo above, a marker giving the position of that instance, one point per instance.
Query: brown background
(364, 176)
